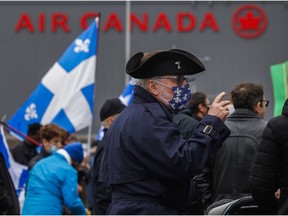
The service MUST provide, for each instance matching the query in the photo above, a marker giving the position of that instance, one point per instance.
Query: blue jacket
(52, 184)
(147, 163)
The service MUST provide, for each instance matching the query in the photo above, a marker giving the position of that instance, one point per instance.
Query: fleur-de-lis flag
(65, 95)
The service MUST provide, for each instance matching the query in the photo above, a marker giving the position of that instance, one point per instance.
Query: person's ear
(45, 142)
(46, 145)
(110, 120)
(201, 108)
(152, 87)
(258, 107)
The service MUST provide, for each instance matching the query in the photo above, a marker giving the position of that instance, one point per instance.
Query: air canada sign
(248, 21)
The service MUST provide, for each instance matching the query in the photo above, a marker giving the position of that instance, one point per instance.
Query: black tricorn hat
(163, 62)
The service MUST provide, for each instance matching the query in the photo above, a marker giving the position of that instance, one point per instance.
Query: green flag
(279, 77)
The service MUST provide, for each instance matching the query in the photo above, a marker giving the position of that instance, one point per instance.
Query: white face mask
(53, 149)
(181, 95)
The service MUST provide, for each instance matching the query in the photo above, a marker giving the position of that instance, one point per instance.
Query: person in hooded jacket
(146, 163)
(270, 169)
(52, 184)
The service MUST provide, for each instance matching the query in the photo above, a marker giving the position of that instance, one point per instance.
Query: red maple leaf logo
(249, 21)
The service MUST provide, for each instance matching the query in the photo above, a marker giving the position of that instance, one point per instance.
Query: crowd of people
(171, 151)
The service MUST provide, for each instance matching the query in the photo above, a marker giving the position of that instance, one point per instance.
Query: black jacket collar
(240, 113)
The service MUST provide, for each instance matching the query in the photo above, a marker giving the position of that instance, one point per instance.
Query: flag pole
(89, 138)
(90, 126)
(127, 37)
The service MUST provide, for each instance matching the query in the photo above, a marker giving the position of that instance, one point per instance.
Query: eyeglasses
(179, 79)
(266, 102)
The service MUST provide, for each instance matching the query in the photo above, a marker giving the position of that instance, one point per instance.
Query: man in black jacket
(228, 175)
(270, 170)
(102, 197)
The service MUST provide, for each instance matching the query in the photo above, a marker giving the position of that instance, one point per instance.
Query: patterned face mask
(181, 95)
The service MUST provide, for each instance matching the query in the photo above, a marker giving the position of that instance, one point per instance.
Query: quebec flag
(127, 94)
(18, 172)
(65, 95)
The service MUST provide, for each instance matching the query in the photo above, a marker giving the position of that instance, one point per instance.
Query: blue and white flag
(126, 98)
(127, 94)
(65, 95)
(18, 172)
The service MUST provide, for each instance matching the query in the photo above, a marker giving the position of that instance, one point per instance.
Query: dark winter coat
(24, 152)
(185, 123)
(270, 170)
(9, 204)
(101, 194)
(227, 177)
(43, 153)
(147, 163)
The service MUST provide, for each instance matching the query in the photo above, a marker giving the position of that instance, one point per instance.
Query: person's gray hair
(141, 82)
(105, 123)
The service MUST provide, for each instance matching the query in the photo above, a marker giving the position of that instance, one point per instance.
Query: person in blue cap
(146, 163)
(53, 184)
